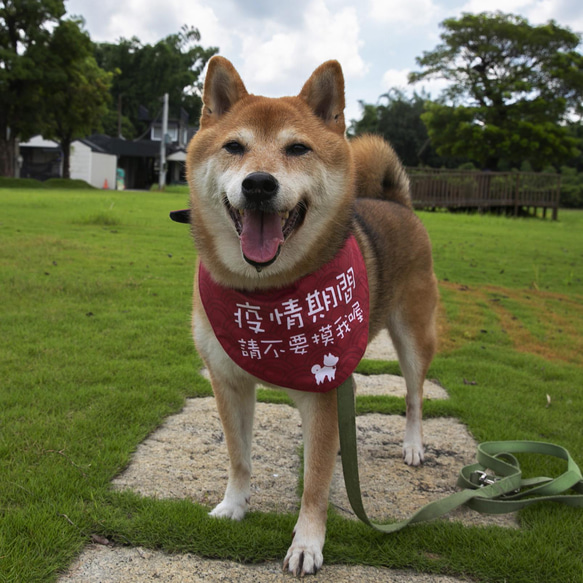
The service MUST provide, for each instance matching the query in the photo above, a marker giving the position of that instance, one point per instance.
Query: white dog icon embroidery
(328, 371)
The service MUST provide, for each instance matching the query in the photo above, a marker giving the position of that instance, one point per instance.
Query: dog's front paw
(304, 557)
(413, 454)
(234, 509)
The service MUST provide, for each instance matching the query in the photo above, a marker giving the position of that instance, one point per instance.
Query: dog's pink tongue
(261, 236)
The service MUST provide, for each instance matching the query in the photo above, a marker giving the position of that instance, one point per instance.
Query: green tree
(571, 187)
(24, 37)
(76, 91)
(576, 131)
(143, 73)
(397, 118)
(512, 88)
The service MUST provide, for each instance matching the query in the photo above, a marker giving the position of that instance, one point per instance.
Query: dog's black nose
(259, 187)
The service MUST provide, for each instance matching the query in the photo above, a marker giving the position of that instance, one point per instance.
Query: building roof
(178, 155)
(115, 146)
(121, 147)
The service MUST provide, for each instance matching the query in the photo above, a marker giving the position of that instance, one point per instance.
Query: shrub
(53, 183)
(68, 184)
(8, 182)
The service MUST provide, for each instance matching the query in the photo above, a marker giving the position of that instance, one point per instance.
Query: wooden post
(557, 200)
(516, 194)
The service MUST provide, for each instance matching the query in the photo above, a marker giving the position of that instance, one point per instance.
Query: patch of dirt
(562, 339)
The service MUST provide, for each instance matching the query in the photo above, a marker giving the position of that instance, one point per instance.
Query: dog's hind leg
(236, 405)
(320, 431)
(412, 329)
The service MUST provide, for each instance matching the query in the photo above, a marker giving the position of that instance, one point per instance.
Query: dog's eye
(234, 147)
(297, 150)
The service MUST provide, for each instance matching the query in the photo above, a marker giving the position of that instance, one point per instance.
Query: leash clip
(483, 479)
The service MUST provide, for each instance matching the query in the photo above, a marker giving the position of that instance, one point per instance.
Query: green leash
(498, 492)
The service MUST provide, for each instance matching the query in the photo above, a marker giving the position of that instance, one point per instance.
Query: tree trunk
(492, 163)
(66, 149)
(7, 154)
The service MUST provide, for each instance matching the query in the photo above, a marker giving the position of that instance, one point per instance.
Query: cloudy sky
(275, 44)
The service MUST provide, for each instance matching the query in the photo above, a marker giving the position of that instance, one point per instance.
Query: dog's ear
(324, 93)
(223, 87)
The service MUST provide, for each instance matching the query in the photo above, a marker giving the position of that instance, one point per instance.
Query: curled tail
(379, 172)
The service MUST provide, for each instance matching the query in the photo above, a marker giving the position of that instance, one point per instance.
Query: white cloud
(413, 12)
(288, 54)
(507, 6)
(395, 78)
(145, 20)
(535, 11)
(541, 11)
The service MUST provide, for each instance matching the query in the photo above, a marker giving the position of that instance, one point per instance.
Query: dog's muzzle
(259, 190)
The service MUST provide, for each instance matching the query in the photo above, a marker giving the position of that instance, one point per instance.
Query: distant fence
(511, 192)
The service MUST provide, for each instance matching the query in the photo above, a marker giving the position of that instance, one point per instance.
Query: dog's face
(270, 179)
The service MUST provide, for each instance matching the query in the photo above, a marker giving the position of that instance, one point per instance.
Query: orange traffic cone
(105, 185)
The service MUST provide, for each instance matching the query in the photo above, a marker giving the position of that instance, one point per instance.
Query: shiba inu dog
(276, 191)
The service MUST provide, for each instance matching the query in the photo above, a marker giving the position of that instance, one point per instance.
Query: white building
(95, 167)
(43, 159)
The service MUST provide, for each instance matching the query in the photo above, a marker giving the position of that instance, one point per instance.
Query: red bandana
(309, 336)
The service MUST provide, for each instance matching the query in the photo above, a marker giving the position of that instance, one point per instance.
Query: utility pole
(119, 98)
(162, 178)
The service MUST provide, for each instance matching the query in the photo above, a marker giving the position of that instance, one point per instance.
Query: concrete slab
(381, 348)
(387, 384)
(187, 458)
(98, 564)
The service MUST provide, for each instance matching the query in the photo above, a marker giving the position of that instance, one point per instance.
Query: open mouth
(263, 233)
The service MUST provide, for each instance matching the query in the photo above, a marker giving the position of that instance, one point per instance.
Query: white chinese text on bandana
(309, 336)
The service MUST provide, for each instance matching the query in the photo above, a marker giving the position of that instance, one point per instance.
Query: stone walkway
(187, 458)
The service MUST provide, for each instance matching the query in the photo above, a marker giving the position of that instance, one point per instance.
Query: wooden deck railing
(513, 192)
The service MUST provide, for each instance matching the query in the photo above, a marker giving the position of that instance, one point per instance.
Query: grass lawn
(96, 351)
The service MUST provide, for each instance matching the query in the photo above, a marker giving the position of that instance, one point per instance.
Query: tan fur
(326, 180)
(379, 173)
